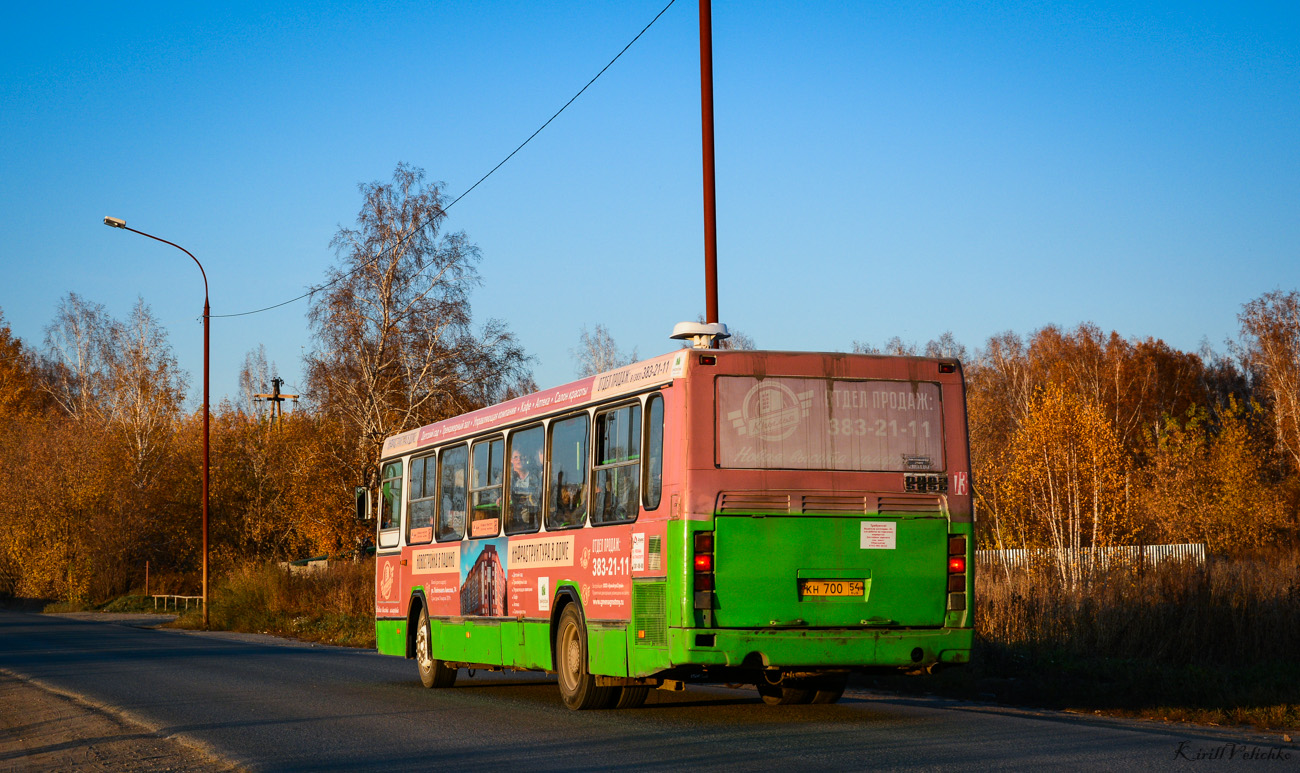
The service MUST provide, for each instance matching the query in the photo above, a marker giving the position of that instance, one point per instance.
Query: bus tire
(433, 672)
(778, 695)
(578, 687)
(830, 688)
(632, 697)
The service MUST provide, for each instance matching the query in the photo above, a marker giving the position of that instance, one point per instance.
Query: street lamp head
(115, 222)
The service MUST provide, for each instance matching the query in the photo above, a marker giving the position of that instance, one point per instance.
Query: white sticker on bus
(638, 552)
(544, 594)
(879, 535)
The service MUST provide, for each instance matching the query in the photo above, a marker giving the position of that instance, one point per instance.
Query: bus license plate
(831, 587)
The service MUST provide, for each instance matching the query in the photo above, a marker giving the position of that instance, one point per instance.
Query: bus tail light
(703, 563)
(956, 573)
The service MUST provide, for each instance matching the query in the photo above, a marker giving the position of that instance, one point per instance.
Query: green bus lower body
(707, 654)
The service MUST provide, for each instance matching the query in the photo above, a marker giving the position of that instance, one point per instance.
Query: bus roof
(646, 374)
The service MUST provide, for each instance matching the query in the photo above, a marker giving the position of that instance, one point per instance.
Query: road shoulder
(42, 730)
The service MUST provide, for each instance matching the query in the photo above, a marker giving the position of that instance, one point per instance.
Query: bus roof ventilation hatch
(700, 334)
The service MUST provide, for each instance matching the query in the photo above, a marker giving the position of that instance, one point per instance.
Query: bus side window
(390, 504)
(485, 488)
(423, 487)
(618, 466)
(451, 507)
(525, 490)
(654, 452)
(566, 507)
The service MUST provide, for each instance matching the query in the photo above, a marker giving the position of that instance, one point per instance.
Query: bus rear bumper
(819, 648)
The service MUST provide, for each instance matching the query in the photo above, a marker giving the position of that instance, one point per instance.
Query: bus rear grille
(742, 502)
(910, 505)
(649, 613)
(753, 501)
(833, 503)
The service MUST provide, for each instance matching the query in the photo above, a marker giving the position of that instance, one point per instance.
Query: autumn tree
(895, 346)
(143, 389)
(946, 345)
(254, 378)
(395, 344)
(1208, 480)
(78, 348)
(1270, 329)
(597, 352)
(1066, 478)
(19, 379)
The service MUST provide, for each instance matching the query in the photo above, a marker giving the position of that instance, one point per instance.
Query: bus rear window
(828, 424)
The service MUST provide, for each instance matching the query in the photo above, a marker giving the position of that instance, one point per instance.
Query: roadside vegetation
(333, 605)
(1175, 641)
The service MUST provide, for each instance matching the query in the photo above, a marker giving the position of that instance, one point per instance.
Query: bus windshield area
(829, 424)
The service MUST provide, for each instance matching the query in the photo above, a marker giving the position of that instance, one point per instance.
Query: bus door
(389, 596)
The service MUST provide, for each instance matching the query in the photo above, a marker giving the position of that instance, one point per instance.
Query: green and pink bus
(771, 518)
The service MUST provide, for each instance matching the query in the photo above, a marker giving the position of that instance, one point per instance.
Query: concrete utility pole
(275, 398)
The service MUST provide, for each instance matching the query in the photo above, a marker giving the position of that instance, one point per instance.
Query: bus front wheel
(578, 687)
(433, 672)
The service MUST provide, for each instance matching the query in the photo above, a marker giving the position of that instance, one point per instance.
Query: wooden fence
(1126, 555)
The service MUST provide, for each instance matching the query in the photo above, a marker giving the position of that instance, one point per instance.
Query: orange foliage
(1065, 478)
(1078, 438)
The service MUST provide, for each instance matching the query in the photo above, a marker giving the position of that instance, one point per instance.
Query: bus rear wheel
(782, 695)
(433, 672)
(578, 687)
(632, 697)
(830, 688)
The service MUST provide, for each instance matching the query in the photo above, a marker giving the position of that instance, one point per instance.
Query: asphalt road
(267, 704)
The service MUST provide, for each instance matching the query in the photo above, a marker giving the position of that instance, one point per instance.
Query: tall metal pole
(207, 317)
(119, 223)
(706, 121)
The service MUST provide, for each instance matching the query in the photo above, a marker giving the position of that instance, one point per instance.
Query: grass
(335, 605)
(1212, 645)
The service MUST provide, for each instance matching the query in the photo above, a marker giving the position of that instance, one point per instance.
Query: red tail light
(703, 562)
(957, 564)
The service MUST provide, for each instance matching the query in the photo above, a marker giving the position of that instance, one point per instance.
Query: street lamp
(119, 223)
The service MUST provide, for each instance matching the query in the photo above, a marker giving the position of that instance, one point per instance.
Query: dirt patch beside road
(42, 730)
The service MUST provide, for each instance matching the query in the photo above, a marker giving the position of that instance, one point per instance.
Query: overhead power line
(443, 210)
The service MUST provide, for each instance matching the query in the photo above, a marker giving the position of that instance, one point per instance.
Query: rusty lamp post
(119, 223)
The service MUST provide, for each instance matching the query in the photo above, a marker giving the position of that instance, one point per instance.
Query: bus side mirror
(363, 503)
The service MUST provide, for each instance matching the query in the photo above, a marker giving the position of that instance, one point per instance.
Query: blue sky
(883, 168)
